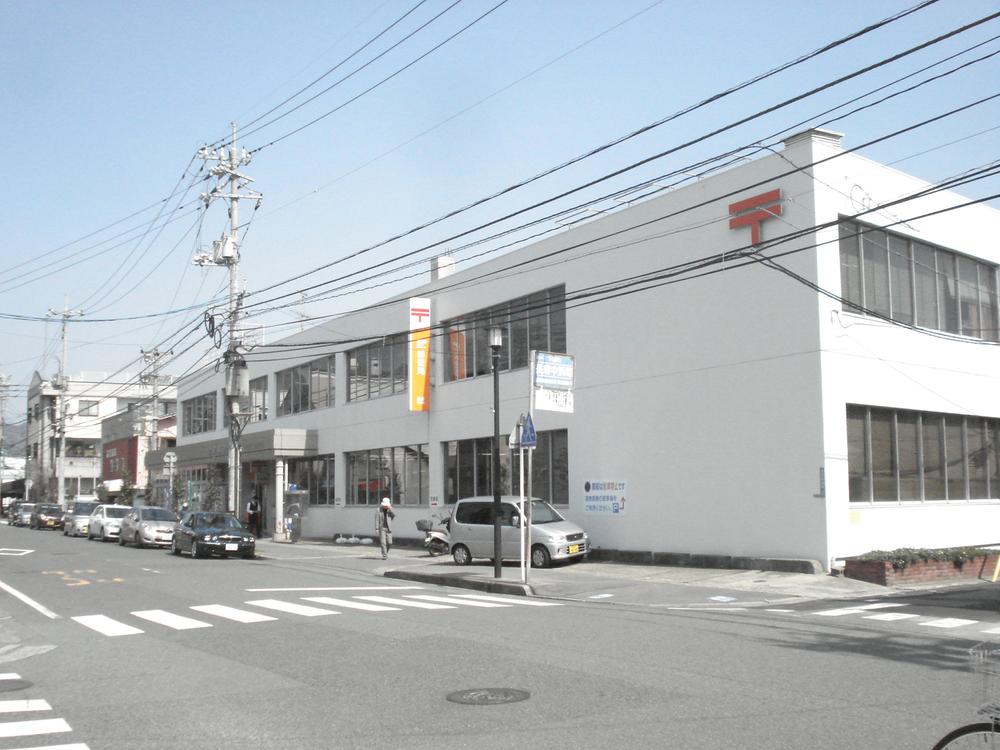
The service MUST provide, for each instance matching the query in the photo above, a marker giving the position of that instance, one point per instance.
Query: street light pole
(496, 341)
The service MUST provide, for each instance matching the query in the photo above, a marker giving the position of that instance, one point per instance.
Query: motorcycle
(437, 534)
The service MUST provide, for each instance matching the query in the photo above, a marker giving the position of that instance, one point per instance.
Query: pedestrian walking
(383, 516)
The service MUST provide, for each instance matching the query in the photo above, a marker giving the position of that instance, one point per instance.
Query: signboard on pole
(552, 381)
(420, 353)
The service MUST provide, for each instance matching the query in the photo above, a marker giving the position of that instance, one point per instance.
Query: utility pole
(226, 252)
(62, 402)
(4, 384)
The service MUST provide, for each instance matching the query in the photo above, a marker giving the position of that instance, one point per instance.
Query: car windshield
(542, 512)
(27, 507)
(84, 509)
(216, 521)
(116, 512)
(48, 508)
(156, 514)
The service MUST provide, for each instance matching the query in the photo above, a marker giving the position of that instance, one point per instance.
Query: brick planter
(919, 571)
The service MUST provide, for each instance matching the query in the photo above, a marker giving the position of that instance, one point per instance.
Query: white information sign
(552, 382)
(604, 497)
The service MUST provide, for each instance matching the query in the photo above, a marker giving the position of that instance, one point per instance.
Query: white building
(730, 406)
(88, 399)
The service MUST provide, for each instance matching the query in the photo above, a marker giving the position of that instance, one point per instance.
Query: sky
(366, 119)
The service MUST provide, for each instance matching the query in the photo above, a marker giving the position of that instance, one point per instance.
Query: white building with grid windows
(794, 358)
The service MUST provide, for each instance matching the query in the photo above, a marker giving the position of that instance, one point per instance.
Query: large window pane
(850, 264)
(466, 469)
(883, 449)
(988, 302)
(994, 457)
(932, 429)
(875, 257)
(557, 320)
(924, 265)
(901, 279)
(908, 449)
(947, 291)
(484, 463)
(968, 296)
(400, 360)
(954, 445)
(859, 472)
(977, 459)
(560, 467)
(519, 333)
(538, 322)
(358, 374)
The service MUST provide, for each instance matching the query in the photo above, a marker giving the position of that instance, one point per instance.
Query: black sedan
(46, 516)
(210, 533)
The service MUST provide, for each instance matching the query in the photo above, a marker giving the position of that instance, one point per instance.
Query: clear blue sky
(104, 104)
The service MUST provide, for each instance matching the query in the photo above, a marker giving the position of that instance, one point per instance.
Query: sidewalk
(621, 583)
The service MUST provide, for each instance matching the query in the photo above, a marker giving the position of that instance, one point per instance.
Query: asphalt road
(139, 649)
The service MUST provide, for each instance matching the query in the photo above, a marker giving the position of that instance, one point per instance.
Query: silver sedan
(106, 521)
(148, 526)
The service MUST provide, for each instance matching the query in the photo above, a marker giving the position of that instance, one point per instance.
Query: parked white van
(552, 536)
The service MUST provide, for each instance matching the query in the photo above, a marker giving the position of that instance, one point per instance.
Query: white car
(106, 522)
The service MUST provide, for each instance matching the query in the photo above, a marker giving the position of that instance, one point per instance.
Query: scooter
(437, 534)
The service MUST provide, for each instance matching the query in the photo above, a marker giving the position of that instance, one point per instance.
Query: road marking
(891, 616)
(29, 728)
(839, 612)
(10, 707)
(106, 626)
(73, 746)
(406, 602)
(29, 601)
(340, 588)
(11, 552)
(992, 631)
(509, 600)
(170, 620)
(464, 602)
(292, 608)
(779, 610)
(231, 613)
(350, 604)
(948, 622)
(10, 676)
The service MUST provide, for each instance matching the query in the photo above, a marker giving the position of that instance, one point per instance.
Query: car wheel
(104, 537)
(138, 540)
(460, 554)
(121, 540)
(90, 534)
(248, 555)
(540, 557)
(174, 549)
(195, 551)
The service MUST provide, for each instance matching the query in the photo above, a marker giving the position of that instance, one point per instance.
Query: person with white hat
(383, 515)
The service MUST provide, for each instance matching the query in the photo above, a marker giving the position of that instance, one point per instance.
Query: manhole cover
(488, 696)
(9, 686)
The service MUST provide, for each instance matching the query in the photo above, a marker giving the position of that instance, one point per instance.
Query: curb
(489, 585)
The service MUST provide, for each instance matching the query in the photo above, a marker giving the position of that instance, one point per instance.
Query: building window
(306, 387)
(378, 369)
(258, 399)
(199, 414)
(892, 276)
(87, 408)
(401, 473)
(899, 456)
(311, 479)
(537, 322)
(468, 466)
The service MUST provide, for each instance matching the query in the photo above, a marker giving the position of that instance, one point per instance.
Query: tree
(127, 494)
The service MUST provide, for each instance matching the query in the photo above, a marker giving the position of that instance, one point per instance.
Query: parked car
(46, 516)
(22, 516)
(106, 521)
(552, 536)
(148, 525)
(208, 533)
(76, 519)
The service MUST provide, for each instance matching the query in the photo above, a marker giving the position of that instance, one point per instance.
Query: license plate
(573, 549)
(232, 547)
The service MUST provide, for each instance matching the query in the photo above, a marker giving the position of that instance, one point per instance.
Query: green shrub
(903, 556)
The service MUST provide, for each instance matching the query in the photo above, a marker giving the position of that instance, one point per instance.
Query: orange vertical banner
(420, 354)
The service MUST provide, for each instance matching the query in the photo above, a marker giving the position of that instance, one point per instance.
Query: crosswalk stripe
(948, 622)
(406, 602)
(11, 707)
(106, 626)
(170, 620)
(839, 612)
(449, 600)
(231, 613)
(510, 600)
(30, 728)
(71, 746)
(891, 616)
(10, 676)
(883, 605)
(350, 604)
(292, 608)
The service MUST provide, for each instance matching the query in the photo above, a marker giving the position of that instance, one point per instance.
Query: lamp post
(496, 341)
